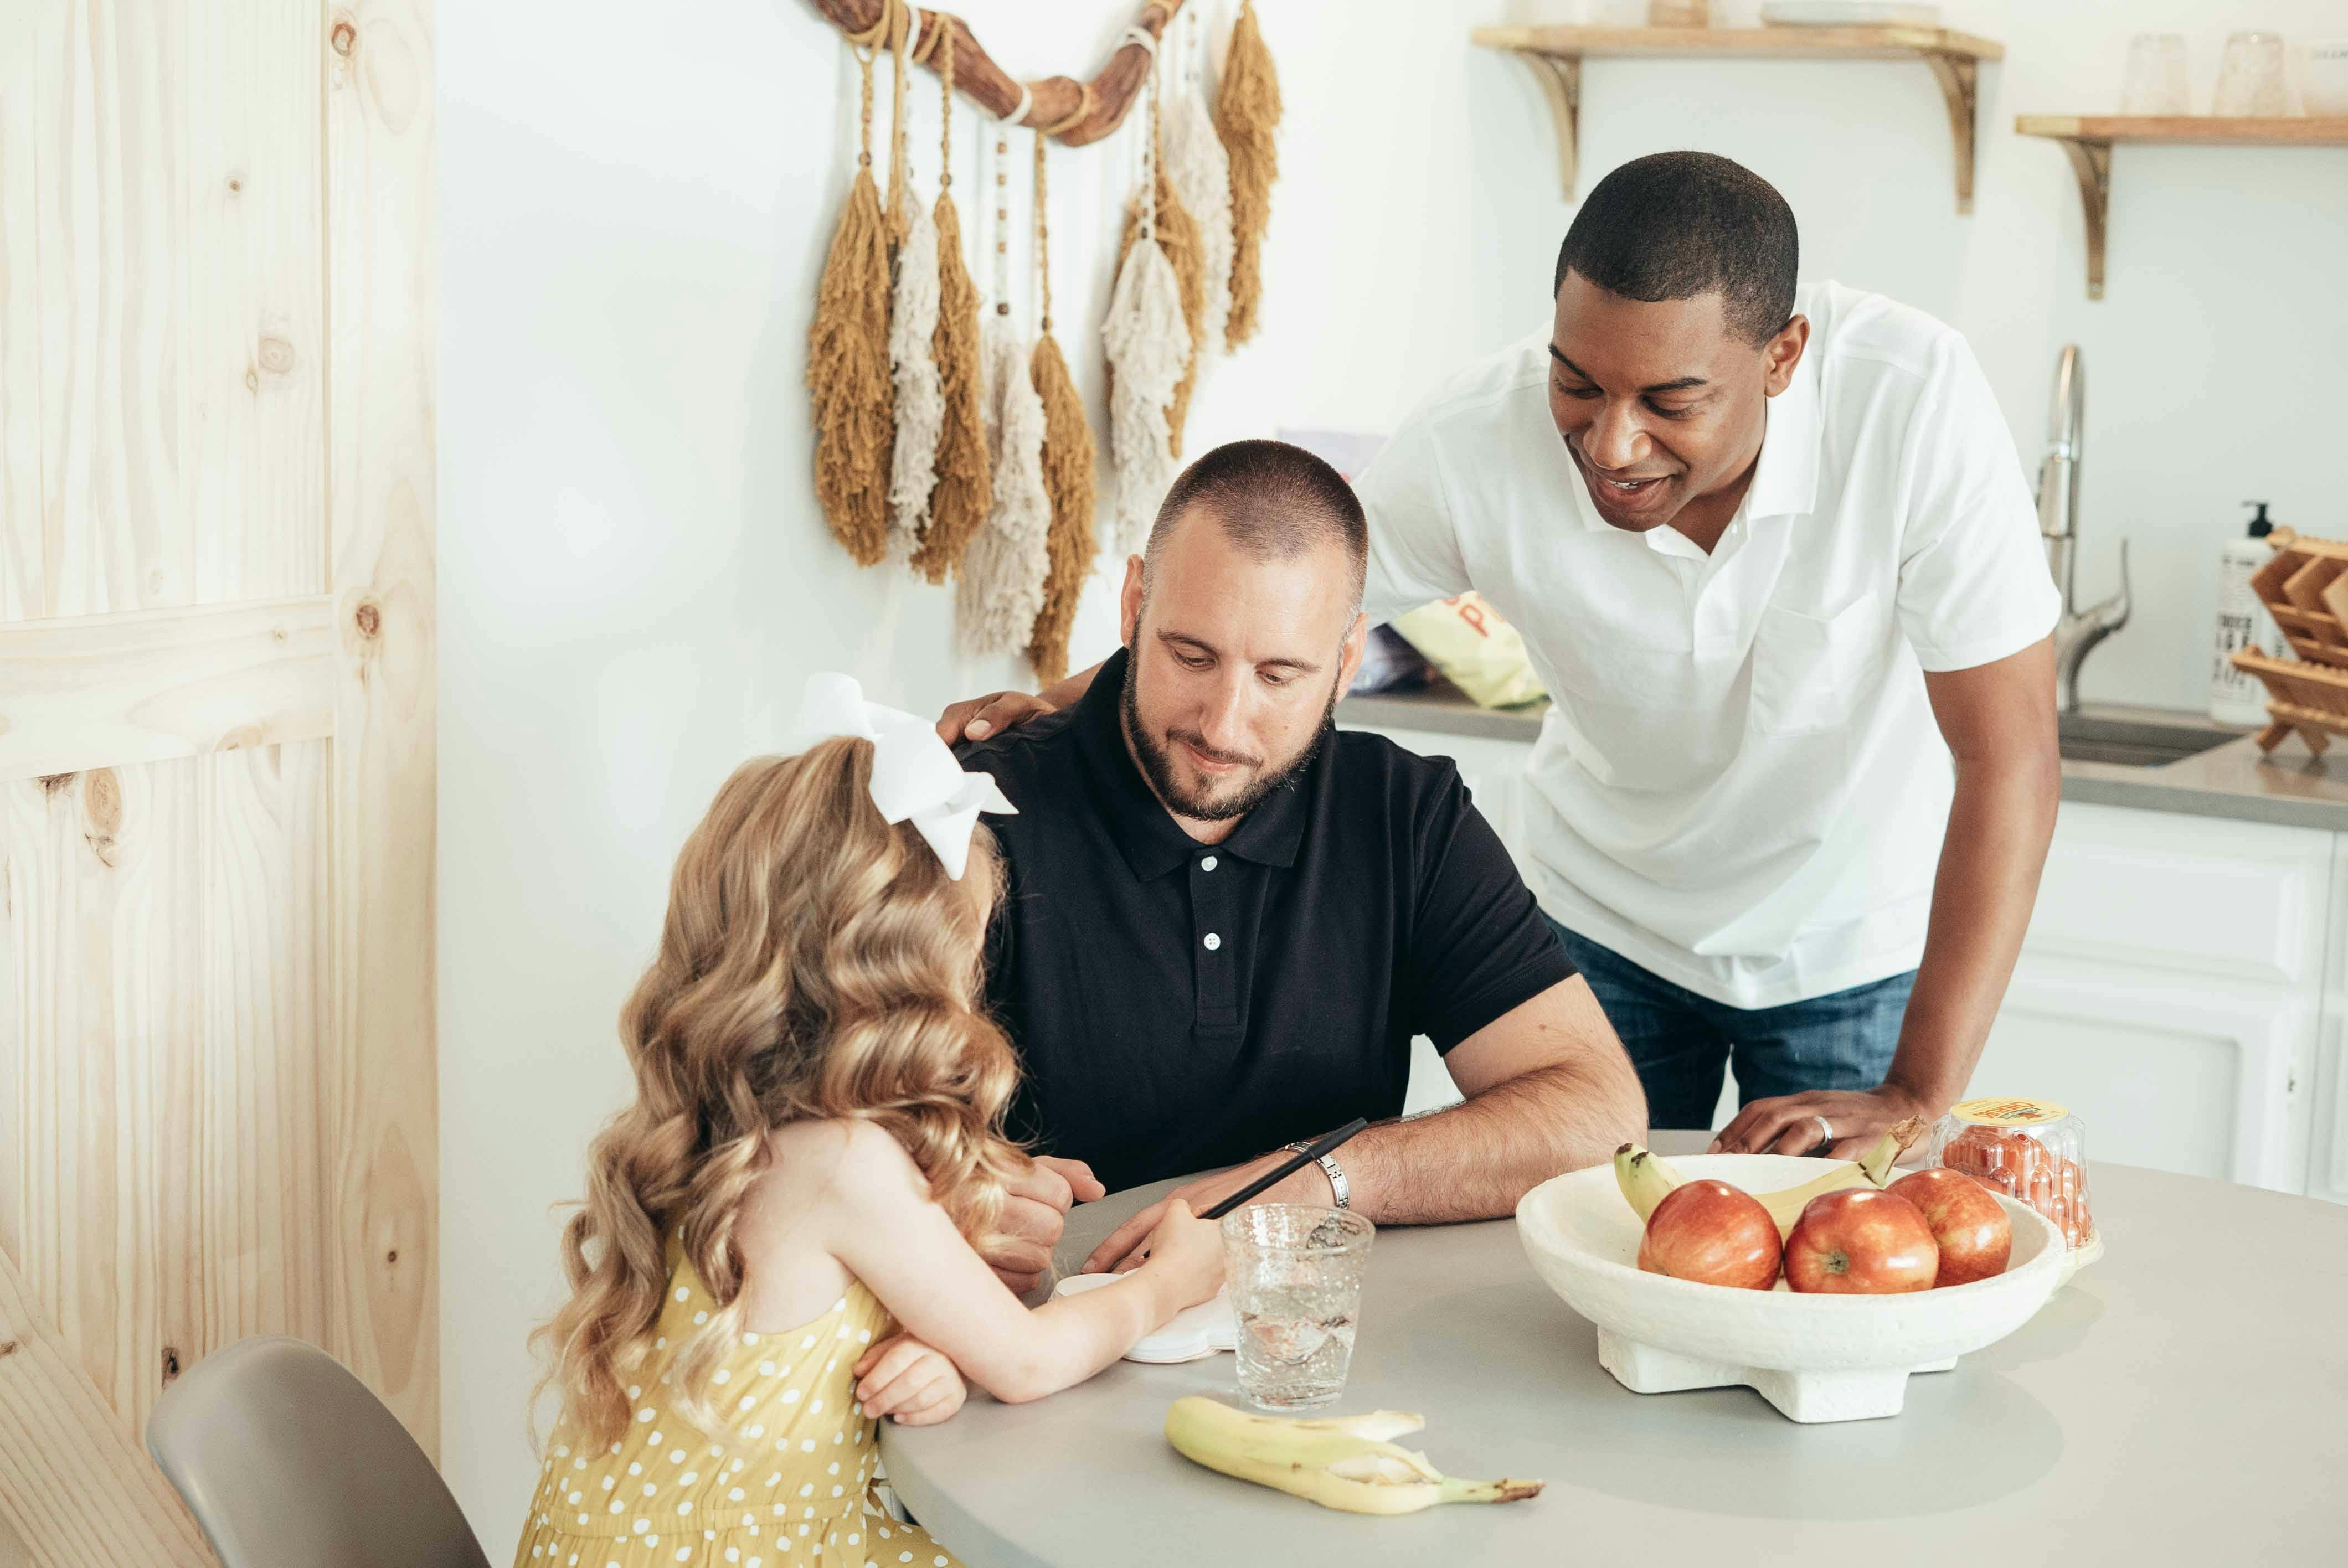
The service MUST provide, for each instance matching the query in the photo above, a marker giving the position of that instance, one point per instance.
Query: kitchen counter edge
(2293, 788)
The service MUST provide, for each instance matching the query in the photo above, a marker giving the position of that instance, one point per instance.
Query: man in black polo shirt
(1226, 919)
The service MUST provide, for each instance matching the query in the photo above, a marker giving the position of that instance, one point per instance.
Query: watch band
(1342, 1196)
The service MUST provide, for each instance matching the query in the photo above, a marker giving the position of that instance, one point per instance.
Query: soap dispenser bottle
(2242, 623)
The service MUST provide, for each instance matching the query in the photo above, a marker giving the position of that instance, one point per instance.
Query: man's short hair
(1677, 225)
(1275, 501)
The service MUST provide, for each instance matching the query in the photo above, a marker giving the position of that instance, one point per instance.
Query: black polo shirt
(1179, 1006)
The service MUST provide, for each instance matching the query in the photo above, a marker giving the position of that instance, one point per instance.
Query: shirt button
(1208, 864)
(1213, 941)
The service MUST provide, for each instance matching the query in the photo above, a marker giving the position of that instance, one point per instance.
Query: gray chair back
(287, 1462)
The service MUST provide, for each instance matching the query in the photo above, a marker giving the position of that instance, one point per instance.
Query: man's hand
(904, 1379)
(992, 715)
(1787, 1125)
(1124, 1250)
(1035, 1212)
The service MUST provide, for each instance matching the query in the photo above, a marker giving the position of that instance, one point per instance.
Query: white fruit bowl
(1815, 1357)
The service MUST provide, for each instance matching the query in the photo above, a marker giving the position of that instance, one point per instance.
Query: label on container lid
(2009, 1112)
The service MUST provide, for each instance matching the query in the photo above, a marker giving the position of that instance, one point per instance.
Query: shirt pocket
(1808, 670)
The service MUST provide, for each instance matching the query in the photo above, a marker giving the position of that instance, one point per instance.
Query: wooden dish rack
(2305, 589)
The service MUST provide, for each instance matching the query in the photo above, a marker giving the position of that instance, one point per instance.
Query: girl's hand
(904, 1378)
(1187, 1253)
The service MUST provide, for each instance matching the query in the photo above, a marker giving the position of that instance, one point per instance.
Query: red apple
(1860, 1242)
(1714, 1233)
(1972, 1231)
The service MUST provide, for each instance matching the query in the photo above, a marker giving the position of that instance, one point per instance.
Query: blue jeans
(1682, 1042)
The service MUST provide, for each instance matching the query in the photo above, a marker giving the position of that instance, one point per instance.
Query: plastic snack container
(2032, 1150)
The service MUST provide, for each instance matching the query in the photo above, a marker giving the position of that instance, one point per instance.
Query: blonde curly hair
(816, 963)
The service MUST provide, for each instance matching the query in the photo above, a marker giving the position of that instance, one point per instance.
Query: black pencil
(1286, 1168)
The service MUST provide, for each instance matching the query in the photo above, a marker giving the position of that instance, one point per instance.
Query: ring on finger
(1825, 1133)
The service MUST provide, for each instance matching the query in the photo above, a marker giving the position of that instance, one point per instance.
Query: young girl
(814, 1148)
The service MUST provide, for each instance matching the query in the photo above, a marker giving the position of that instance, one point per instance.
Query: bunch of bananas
(1342, 1461)
(1645, 1177)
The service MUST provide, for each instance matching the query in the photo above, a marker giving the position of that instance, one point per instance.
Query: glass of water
(1295, 1276)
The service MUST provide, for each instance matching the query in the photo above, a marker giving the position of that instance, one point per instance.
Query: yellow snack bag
(1476, 651)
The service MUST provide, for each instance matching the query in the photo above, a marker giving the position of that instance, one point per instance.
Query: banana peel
(1344, 1463)
(1646, 1178)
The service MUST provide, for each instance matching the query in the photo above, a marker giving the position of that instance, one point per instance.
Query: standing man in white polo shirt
(1773, 557)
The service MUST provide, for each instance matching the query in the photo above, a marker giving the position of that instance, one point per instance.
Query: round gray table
(2184, 1401)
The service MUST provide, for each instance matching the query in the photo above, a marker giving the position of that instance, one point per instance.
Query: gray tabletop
(2183, 1400)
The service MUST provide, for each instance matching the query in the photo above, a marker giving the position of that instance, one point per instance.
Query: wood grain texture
(1751, 43)
(166, 986)
(2187, 130)
(77, 1490)
(377, 1062)
(163, 331)
(216, 1031)
(98, 691)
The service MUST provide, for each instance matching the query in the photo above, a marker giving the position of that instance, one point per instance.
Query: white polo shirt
(1739, 785)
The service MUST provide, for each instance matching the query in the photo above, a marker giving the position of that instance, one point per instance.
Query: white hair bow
(914, 776)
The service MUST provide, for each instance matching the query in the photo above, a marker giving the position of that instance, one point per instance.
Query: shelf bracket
(1960, 79)
(2092, 162)
(1561, 79)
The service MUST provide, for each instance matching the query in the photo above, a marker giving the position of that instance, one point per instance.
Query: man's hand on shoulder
(983, 717)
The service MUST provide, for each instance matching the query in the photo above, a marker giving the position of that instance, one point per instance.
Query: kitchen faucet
(2078, 632)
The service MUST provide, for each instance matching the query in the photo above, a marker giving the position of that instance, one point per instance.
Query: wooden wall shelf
(1555, 54)
(2088, 140)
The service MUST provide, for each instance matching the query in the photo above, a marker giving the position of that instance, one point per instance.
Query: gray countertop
(2179, 1402)
(2293, 788)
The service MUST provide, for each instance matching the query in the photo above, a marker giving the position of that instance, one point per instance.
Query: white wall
(636, 577)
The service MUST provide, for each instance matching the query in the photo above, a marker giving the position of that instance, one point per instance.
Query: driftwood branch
(979, 79)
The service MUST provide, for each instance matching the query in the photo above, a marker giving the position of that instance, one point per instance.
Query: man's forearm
(2000, 824)
(1474, 1160)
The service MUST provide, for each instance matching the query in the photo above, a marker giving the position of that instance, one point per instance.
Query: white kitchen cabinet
(2183, 985)
(2170, 990)
(2326, 1085)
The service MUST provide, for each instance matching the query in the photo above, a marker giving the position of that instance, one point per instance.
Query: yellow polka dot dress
(790, 1488)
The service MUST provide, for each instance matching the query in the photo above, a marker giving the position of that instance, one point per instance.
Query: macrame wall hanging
(1147, 341)
(1247, 113)
(965, 491)
(1068, 465)
(1199, 171)
(931, 447)
(1002, 588)
(848, 354)
(912, 322)
(1179, 237)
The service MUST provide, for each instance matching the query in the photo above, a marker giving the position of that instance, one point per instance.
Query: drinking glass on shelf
(2155, 83)
(1295, 1276)
(2250, 80)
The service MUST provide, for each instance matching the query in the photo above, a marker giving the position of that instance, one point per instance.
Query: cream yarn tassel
(1002, 588)
(1200, 172)
(1149, 346)
(921, 390)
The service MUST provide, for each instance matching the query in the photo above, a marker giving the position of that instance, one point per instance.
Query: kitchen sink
(2139, 741)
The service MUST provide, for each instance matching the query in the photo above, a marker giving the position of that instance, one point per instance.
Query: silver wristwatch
(1342, 1194)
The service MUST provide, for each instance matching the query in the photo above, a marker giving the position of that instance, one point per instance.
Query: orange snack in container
(2033, 1150)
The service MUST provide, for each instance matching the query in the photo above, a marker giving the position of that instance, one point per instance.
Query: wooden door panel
(216, 775)
(167, 932)
(165, 244)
